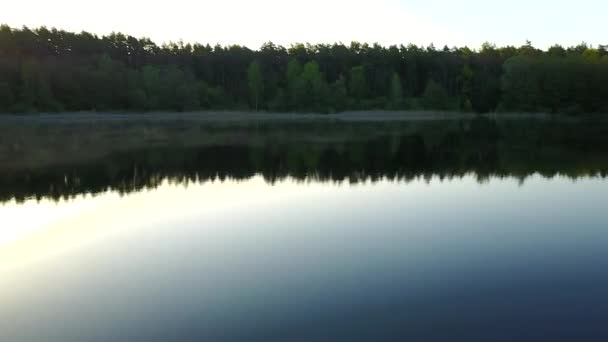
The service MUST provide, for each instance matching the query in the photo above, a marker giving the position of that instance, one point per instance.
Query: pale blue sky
(465, 22)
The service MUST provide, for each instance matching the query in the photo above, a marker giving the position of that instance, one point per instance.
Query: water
(459, 231)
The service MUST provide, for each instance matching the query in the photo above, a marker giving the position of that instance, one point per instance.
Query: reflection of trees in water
(479, 147)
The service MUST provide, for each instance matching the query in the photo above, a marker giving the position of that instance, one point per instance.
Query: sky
(251, 23)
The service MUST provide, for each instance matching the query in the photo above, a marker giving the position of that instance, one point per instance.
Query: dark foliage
(54, 70)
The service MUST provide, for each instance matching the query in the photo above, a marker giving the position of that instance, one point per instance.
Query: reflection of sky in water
(249, 259)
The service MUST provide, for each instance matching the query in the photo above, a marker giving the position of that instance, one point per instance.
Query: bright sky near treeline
(251, 23)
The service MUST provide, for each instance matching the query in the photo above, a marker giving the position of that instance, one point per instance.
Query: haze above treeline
(52, 70)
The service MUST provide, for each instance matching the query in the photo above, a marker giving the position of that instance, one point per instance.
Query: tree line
(54, 70)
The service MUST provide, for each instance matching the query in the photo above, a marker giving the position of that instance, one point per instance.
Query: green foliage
(50, 70)
(435, 97)
(572, 84)
(211, 97)
(520, 89)
(279, 102)
(256, 83)
(396, 92)
(186, 97)
(36, 92)
(466, 88)
(108, 84)
(339, 95)
(137, 99)
(152, 86)
(357, 83)
(296, 87)
(7, 98)
(485, 92)
(316, 89)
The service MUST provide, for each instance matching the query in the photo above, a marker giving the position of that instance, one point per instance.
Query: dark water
(444, 231)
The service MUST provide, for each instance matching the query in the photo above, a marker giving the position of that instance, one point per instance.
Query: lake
(463, 229)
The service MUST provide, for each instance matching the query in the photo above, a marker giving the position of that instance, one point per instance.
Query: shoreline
(244, 116)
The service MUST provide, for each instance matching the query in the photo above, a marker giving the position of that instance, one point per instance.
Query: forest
(51, 70)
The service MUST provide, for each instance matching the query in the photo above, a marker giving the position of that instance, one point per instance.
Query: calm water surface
(418, 235)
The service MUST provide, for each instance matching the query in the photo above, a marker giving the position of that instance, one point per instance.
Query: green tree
(357, 83)
(256, 83)
(396, 92)
(279, 102)
(339, 94)
(151, 86)
(53, 69)
(137, 99)
(296, 87)
(520, 85)
(175, 92)
(435, 97)
(466, 88)
(211, 97)
(7, 98)
(109, 84)
(36, 91)
(316, 88)
(187, 97)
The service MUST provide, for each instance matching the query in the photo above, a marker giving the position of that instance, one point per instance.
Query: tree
(519, 84)
(557, 51)
(187, 97)
(151, 86)
(211, 97)
(7, 97)
(357, 83)
(296, 87)
(316, 87)
(339, 94)
(396, 92)
(35, 92)
(256, 83)
(466, 88)
(108, 84)
(435, 97)
(50, 69)
(137, 99)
